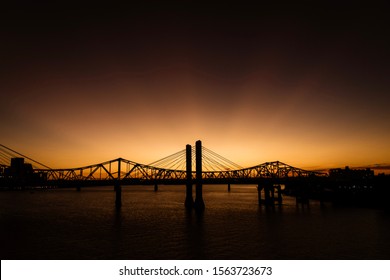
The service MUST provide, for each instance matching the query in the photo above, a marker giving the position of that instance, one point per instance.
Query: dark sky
(301, 83)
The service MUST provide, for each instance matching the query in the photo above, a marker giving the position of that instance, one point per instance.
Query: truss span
(171, 169)
(132, 172)
(117, 169)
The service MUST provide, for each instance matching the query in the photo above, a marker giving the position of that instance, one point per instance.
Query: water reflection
(194, 234)
(155, 225)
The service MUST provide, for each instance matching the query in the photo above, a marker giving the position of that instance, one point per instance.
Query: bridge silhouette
(191, 166)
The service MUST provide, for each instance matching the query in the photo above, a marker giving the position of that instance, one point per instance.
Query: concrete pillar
(259, 193)
(189, 202)
(267, 195)
(118, 188)
(280, 199)
(118, 196)
(199, 203)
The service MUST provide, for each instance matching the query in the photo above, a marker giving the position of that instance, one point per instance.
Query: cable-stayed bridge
(170, 169)
(135, 173)
(194, 165)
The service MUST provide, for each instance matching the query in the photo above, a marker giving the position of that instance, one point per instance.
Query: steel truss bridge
(129, 172)
(209, 168)
(172, 169)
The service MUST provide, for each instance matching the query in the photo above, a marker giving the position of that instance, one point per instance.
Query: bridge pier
(228, 187)
(302, 196)
(155, 187)
(279, 198)
(269, 194)
(118, 188)
(259, 193)
(118, 195)
(199, 203)
(189, 202)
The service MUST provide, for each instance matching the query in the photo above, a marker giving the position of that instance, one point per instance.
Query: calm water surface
(66, 224)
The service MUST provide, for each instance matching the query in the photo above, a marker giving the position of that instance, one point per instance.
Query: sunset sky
(305, 85)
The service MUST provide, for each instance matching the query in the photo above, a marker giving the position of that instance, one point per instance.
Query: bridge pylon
(199, 203)
(189, 202)
(118, 187)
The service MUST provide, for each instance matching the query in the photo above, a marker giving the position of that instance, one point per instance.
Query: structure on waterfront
(348, 173)
(20, 174)
(209, 168)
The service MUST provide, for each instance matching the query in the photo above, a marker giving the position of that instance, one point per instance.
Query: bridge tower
(189, 202)
(199, 203)
(118, 187)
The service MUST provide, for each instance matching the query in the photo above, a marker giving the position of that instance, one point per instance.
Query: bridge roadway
(268, 176)
(118, 172)
(226, 181)
(131, 173)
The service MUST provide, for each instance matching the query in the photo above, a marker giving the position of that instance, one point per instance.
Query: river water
(66, 224)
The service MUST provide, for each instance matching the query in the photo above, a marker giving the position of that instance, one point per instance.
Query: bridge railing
(128, 170)
(113, 170)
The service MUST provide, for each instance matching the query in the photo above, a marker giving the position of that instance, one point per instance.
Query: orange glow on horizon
(143, 91)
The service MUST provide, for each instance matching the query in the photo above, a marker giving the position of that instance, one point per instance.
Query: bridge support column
(189, 202)
(228, 187)
(118, 195)
(199, 203)
(279, 198)
(266, 195)
(118, 188)
(155, 187)
(269, 194)
(302, 195)
(259, 193)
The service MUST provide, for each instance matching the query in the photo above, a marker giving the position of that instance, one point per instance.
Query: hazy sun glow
(252, 90)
